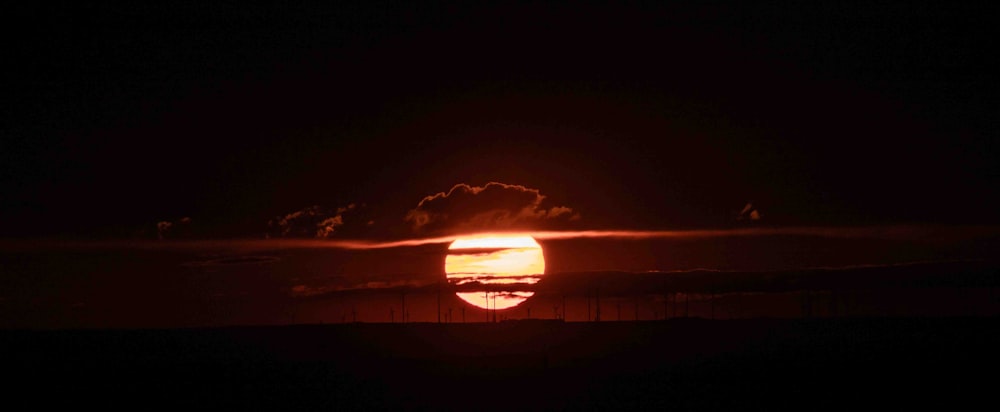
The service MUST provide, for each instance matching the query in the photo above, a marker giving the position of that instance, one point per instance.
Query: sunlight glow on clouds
(494, 206)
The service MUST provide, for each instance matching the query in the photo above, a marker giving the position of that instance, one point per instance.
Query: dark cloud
(317, 222)
(749, 213)
(162, 228)
(494, 206)
(171, 229)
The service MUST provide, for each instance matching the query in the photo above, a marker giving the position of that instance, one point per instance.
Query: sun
(497, 262)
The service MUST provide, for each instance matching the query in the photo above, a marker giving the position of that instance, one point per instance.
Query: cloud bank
(494, 206)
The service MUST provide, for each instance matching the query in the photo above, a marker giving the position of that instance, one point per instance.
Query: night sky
(648, 116)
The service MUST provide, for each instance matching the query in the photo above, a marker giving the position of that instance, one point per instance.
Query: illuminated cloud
(313, 221)
(494, 206)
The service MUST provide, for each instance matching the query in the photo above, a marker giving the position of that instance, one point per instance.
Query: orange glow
(502, 300)
(495, 259)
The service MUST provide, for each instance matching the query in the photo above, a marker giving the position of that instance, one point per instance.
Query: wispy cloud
(903, 232)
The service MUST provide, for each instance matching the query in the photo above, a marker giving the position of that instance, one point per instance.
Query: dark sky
(641, 116)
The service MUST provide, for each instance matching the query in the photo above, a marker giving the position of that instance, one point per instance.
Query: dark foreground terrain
(867, 363)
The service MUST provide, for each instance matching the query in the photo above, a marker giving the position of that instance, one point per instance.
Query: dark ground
(761, 364)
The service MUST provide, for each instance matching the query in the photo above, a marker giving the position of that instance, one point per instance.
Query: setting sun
(495, 259)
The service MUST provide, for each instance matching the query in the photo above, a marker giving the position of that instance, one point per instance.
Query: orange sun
(495, 259)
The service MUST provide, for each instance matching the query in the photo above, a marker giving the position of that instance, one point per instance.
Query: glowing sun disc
(495, 259)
